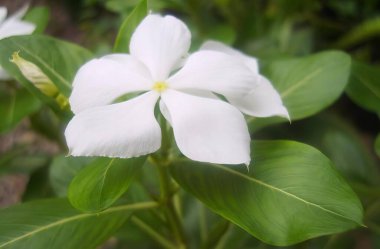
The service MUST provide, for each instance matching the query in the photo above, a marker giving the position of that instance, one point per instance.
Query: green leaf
(308, 85)
(360, 33)
(14, 106)
(338, 140)
(63, 170)
(364, 87)
(40, 17)
(101, 183)
(292, 193)
(55, 224)
(128, 27)
(59, 60)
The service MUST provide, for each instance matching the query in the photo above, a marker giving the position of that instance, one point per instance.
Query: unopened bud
(40, 80)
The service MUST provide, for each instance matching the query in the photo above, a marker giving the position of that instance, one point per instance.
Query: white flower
(11, 26)
(264, 100)
(205, 127)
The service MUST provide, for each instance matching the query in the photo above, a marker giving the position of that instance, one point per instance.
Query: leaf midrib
(368, 86)
(300, 83)
(103, 180)
(78, 217)
(51, 70)
(281, 191)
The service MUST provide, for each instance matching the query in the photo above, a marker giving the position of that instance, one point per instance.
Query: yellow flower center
(160, 86)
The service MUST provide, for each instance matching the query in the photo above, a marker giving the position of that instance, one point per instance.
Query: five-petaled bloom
(11, 26)
(206, 128)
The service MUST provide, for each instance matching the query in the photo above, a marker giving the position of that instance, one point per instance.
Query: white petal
(14, 25)
(216, 72)
(3, 14)
(208, 130)
(4, 75)
(126, 129)
(250, 62)
(263, 101)
(160, 43)
(101, 81)
(165, 112)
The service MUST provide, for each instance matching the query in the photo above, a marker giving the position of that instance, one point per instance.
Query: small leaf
(63, 170)
(14, 106)
(101, 183)
(128, 27)
(291, 194)
(55, 224)
(364, 87)
(40, 17)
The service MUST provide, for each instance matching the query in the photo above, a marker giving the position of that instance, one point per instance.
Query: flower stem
(167, 188)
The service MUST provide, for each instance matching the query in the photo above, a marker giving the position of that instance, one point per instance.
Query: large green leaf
(291, 193)
(59, 60)
(338, 140)
(14, 106)
(364, 86)
(128, 27)
(100, 184)
(55, 224)
(308, 85)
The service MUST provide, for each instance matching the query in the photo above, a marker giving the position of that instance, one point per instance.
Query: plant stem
(167, 189)
(155, 235)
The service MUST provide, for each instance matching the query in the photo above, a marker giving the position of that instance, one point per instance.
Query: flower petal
(101, 81)
(160, 43)
(126, 129)
(214, 71)
(262, 101)
(165, 112)
(251, 62)
(208, 130)
(15, 26)
(12, 28)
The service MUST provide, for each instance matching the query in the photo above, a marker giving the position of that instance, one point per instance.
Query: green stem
(152, 233)
(167, 188)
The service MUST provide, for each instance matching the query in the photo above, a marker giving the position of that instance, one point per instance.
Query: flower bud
(40, 80)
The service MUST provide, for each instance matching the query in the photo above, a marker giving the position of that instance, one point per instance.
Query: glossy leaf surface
(56, 224)
(62, 171)
(364, 86)
(101, 183)
(291, 193)
(307, 85)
